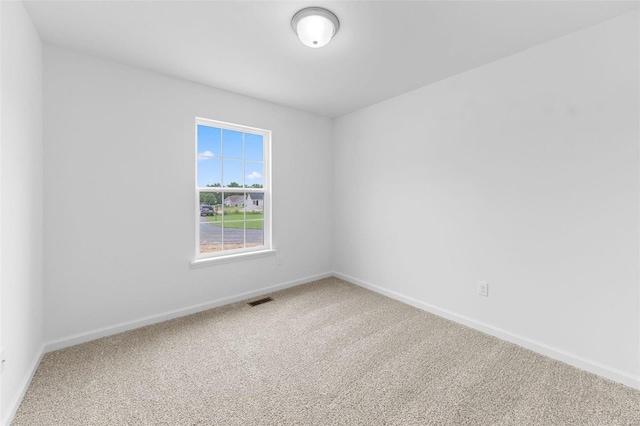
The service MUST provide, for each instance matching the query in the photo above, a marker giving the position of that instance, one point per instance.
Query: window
(233, 193)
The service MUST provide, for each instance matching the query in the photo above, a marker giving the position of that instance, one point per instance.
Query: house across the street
(234, 201)
(254, 201)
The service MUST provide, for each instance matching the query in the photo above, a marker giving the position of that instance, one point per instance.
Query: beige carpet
(325, 353)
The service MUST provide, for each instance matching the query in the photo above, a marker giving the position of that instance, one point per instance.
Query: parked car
(206, 210)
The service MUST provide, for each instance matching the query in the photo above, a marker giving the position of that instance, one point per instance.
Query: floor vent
(260, 301)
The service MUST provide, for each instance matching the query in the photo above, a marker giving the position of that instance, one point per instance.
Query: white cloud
(254, 175)
(206, 155)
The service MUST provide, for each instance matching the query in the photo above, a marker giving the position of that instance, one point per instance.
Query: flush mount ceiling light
(315, 26)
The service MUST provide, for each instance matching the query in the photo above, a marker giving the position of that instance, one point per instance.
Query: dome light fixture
(315, 26)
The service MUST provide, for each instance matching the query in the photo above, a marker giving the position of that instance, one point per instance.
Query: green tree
(211, 198)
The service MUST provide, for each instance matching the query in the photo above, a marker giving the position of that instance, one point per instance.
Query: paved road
(210, 234)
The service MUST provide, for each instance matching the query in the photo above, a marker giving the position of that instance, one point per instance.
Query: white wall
(523, 173)
(21, 201)
(119, 194)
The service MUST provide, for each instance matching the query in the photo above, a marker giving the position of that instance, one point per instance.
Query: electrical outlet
(3, 359)
(279, 260)
(483, 288)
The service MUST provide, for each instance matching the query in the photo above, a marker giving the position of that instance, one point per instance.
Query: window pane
(233, 235)
(233, 203)
(210, 199)
(209, 171)
(233, 207)
(254, 229)
(208, 141)
(233, 171)
(232, 144)
(254, 175)
(253, 147)
(210, 231)
(254, 203)
(254, 224)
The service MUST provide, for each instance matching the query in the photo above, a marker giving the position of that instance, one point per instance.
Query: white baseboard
(76, 339)
(582, 363)
(17, 399)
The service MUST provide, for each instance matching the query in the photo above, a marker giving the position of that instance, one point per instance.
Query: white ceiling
(382, 49)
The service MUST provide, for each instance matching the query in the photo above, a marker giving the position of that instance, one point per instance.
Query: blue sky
(212, 142)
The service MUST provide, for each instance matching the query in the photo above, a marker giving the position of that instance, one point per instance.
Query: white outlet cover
(483, 288)
(3, 359)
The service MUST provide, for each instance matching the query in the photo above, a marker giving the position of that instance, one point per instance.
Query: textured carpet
(325, 353)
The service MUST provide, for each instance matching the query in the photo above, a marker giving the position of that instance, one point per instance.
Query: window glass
(232, 188)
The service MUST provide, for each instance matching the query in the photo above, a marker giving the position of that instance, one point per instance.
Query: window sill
(208, 261)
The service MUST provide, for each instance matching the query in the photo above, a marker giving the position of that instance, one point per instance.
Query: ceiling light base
(315, 26)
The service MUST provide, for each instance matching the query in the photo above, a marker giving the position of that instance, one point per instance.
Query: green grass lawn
(254, 221)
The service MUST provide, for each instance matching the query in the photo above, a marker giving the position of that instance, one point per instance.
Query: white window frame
(266, 190)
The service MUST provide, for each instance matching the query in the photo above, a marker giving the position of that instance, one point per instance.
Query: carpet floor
(324, 353)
